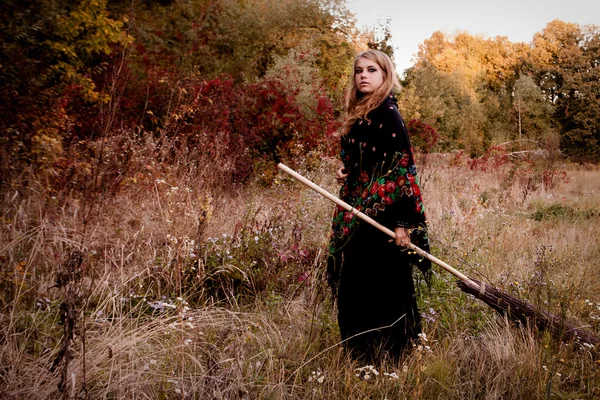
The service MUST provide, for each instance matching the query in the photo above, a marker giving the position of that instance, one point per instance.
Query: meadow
(175, 287)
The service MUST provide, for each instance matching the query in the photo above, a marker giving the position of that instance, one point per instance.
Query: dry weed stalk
(69, 281)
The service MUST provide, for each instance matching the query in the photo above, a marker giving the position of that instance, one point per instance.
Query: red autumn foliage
(245, 124)
(422, 136)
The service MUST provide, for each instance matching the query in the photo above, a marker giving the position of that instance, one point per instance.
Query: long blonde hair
(358, 105)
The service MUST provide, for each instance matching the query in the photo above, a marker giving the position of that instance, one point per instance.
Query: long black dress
(371, 276)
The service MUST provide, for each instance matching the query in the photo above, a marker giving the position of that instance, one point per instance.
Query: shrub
(422, 135)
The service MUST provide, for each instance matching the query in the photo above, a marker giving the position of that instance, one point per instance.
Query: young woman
(370, 274)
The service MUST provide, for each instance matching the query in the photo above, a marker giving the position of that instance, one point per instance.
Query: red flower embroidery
(390, 187)
(348, 217)
(374, 188)
(388, 200)
(363, 177)
(401, 181)
(381, 191)
(415, 189)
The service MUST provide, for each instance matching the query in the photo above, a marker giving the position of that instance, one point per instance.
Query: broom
(505, 304)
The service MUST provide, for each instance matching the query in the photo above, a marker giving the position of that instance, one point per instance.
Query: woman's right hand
(341, 175)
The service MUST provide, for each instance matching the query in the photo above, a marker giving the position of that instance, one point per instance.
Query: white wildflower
(392, 375)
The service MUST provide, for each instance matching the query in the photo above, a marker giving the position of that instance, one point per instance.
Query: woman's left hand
(402, 237)
(341, 175)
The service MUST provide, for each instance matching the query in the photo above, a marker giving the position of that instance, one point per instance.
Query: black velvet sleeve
(398, 161)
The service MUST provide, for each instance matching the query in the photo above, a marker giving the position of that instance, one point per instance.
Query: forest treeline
(85, 86)
(479, 92)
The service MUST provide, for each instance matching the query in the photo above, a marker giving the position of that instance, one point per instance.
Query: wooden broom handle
(377, 225)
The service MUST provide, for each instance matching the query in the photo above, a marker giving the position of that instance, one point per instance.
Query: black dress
(377, 308)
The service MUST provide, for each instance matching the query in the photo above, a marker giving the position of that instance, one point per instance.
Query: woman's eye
(372, 70)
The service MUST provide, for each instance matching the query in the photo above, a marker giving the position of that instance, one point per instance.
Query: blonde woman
(370, 275)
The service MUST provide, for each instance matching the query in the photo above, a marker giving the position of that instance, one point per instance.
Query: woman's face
(368, 75)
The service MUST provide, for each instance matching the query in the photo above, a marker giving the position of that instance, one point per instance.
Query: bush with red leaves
(251, 125)
(422, 136)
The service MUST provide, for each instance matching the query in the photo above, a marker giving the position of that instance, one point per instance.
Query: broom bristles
(521, 311)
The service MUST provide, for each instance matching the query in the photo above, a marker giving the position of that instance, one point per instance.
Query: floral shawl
(382, 183)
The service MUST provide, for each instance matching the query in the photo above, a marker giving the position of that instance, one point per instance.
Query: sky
(412, 22)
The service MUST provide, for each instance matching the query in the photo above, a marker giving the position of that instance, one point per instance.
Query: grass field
(168, 289)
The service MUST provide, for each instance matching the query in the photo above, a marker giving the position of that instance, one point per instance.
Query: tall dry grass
(191, 290)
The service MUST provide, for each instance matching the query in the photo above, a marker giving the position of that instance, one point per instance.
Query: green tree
(565, 59)
(439, 99)
(476, 71)
(51, 51)
(533, 112)
(251, 33)
(489, 60)
(497, 126)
